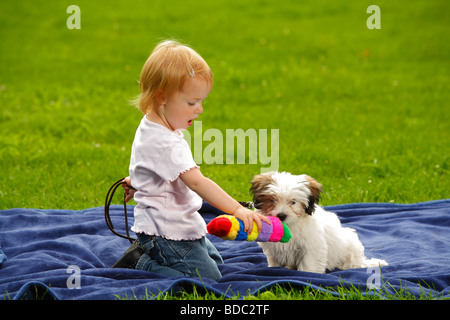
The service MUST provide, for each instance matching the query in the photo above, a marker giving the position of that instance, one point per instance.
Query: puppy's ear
(315, 188)
(259, 185)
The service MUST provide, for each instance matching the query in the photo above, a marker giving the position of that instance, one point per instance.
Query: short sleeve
(175, 160)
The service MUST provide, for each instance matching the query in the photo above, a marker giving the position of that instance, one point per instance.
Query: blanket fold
(67, 254)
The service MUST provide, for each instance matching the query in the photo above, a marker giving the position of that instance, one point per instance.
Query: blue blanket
(62, 254)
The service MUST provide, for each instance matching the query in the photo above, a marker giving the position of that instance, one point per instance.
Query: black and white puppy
(319, 242)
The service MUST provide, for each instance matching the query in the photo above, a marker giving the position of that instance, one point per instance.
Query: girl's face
(183, 107)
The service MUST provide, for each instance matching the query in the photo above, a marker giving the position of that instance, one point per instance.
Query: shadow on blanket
(62, 254)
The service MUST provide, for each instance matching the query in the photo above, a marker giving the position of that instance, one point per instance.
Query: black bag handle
(109, 197)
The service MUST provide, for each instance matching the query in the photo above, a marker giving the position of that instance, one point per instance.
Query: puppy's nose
(281, 216)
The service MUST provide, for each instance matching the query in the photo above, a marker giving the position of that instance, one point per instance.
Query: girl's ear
(161, 98)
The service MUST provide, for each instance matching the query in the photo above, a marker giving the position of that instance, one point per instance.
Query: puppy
(319, 242)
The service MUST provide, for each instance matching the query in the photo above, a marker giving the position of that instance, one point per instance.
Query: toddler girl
(170, 187)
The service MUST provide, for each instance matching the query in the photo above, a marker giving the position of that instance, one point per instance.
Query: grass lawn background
(365, 112)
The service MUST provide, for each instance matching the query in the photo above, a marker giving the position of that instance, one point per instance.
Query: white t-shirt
(165, 207)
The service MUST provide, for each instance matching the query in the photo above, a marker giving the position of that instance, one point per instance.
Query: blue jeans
(196, 258)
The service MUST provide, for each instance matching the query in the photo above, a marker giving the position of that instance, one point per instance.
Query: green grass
(278, 292)
(363, 111)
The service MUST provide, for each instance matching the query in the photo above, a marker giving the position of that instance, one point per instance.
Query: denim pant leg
(179, 258)
(203, 259)
(152, 260)
(212, 251)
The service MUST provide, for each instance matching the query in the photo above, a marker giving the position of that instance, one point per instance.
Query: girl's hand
(128, 189)
(248, 216)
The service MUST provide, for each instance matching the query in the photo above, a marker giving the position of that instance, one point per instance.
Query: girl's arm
(128, 189)
(209, 191)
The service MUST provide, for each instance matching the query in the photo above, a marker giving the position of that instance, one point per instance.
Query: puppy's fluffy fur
(319, 242)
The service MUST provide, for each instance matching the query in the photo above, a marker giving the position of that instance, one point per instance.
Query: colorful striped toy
(227, 227)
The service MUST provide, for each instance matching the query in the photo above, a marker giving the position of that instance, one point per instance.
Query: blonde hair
(166, 70)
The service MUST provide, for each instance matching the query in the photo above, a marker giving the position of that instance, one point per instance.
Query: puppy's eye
(293, 202)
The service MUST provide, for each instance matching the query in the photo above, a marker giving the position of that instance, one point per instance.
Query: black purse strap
(109, 197)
